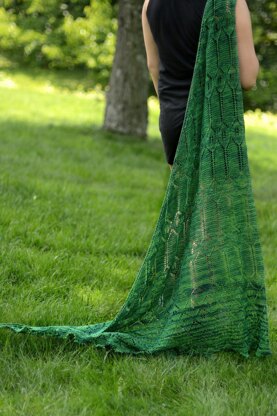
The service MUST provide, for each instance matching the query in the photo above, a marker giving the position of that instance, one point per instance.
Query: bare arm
(248, 61)
(151, 48)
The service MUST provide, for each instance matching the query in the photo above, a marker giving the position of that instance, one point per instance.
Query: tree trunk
(126, 98)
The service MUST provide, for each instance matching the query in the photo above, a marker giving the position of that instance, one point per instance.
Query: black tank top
(175, 26)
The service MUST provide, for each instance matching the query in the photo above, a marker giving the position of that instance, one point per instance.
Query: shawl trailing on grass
(201, 286)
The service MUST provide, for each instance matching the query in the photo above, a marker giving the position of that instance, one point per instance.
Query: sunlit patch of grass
(261, 119)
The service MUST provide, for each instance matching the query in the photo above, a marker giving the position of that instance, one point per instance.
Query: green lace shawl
(200, 288)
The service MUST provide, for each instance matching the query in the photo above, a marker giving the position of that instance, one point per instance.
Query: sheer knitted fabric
(201, 286)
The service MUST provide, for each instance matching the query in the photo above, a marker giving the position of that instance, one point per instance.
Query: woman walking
(200, 288)
(171, 32)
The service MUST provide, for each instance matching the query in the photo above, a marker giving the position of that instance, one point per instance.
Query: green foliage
(264, 24)
(60, 34)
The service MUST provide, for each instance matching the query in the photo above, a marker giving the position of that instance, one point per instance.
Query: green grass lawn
(77, 211)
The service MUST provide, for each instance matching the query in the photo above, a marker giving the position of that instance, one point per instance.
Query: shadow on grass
(47, 135)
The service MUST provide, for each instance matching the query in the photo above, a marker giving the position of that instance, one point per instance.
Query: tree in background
(264, 24)
(81, 34)
(126, 104)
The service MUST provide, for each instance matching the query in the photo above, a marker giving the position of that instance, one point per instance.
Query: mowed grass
(78, 208)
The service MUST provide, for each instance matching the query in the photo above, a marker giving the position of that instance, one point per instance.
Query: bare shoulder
(144, 7)
(150, 44)
(243, 23)
(249, 64)
(242, 11)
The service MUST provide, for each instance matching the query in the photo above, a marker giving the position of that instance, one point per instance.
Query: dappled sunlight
(261, 119)
(91, 296)
(103, 301)
(7, 83)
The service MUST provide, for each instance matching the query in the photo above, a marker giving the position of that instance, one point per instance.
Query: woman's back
(175, 26)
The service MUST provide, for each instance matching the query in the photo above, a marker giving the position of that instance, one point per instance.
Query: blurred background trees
(82, 34)
(60, 34)
(264, 25)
